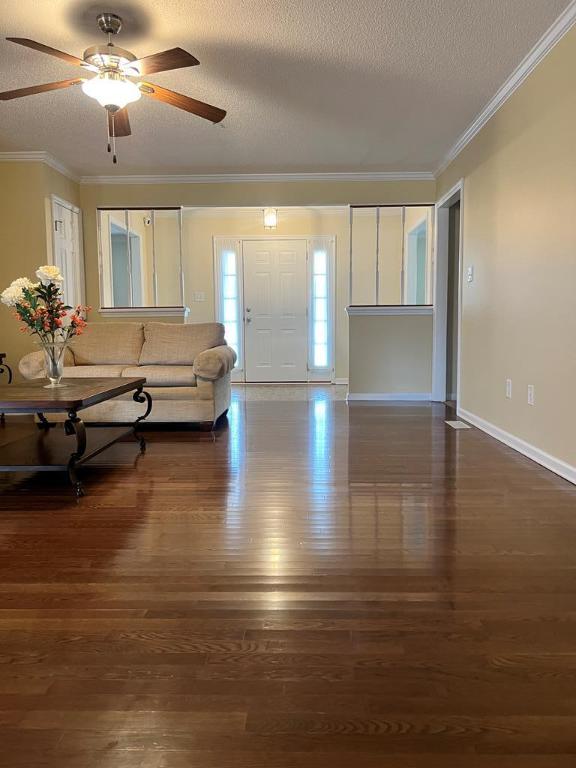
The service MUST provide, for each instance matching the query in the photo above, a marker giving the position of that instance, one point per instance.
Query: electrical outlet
(470, 274)
(509, 389)
(530, 394)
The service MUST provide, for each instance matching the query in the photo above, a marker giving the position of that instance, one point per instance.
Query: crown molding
(34, 156)
(554, 34)
(231, 178)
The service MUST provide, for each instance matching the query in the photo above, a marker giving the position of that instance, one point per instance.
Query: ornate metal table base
(5, 368)
(75, 426)
(50, 449)
(140, 396)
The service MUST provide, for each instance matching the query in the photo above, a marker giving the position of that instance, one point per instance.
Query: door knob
(248, 319)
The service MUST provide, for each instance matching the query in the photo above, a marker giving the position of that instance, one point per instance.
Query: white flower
(14, 294)
(23, 282)
(49, 274)
(11, 296)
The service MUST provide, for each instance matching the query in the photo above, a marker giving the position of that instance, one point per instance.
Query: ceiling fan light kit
(115, 82)
(112, 90)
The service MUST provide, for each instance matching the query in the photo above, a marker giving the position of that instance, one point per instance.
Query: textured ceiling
(309, 85)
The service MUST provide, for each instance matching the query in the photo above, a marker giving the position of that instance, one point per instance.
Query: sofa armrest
(214, 363)
(31, 366)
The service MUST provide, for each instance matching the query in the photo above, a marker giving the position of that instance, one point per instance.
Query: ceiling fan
(116, 81)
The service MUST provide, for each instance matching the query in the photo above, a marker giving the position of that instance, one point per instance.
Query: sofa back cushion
(109, 344)
(175, 344)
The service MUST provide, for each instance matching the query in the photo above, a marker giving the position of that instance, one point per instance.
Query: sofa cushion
(109, 344)
(174, 344)
(92, 371)
(163, 375)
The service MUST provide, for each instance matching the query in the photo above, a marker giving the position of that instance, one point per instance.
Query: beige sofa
(186, 367)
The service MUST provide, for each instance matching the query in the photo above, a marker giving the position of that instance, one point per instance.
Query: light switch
(470, 274)
(199, 296)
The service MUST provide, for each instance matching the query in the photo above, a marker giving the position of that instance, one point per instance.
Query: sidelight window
(229, 293)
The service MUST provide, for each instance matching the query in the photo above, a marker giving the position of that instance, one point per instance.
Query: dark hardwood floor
(322, 586)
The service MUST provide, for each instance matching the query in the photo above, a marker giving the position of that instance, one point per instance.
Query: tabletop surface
(76, 394)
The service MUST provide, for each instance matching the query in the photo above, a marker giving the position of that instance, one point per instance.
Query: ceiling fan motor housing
(110, 57)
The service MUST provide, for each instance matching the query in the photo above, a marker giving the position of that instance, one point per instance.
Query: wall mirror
(140, 258)
(391, 257)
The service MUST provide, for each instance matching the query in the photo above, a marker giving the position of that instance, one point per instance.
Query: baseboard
(340, 381)
(389, 396)
(555, 465)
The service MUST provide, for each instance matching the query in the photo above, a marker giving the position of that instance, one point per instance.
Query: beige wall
(390, 354)
(519, 314)
(26, 235)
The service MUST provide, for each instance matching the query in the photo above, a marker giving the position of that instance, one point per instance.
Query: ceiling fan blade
(175, 58)
(31, 90)
(47, 49)
(119, 124)
(207, 111)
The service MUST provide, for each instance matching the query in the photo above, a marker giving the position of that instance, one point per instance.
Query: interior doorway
(448, 296)
(453, 303)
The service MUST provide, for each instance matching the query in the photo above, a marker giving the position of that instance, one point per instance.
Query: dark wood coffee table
(49, 450)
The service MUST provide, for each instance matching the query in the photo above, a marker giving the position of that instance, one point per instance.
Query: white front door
(275, 318)
(67, 251)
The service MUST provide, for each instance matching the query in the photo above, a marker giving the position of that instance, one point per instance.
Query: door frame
(441, 274)
(76, 211)
(240, 375)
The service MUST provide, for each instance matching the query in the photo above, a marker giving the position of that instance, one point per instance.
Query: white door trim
(440, 330)
(65, 203)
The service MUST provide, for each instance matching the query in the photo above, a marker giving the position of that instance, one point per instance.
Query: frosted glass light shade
(111, 90)
(270, 218)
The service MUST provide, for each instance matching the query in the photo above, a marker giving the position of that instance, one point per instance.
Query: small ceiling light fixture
(270, 218)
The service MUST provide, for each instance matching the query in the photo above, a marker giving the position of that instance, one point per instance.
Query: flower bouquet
(40, 308)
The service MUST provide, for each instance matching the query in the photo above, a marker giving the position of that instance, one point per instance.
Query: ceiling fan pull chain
(114, 158)
(109, 146)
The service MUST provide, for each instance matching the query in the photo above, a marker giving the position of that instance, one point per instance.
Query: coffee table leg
(140, 396)
(75, 426)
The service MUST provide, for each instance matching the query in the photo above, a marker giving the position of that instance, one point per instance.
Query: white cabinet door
(275, 301)
(67, 251)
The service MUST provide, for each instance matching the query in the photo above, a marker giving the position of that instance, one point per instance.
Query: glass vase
(54, 354)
